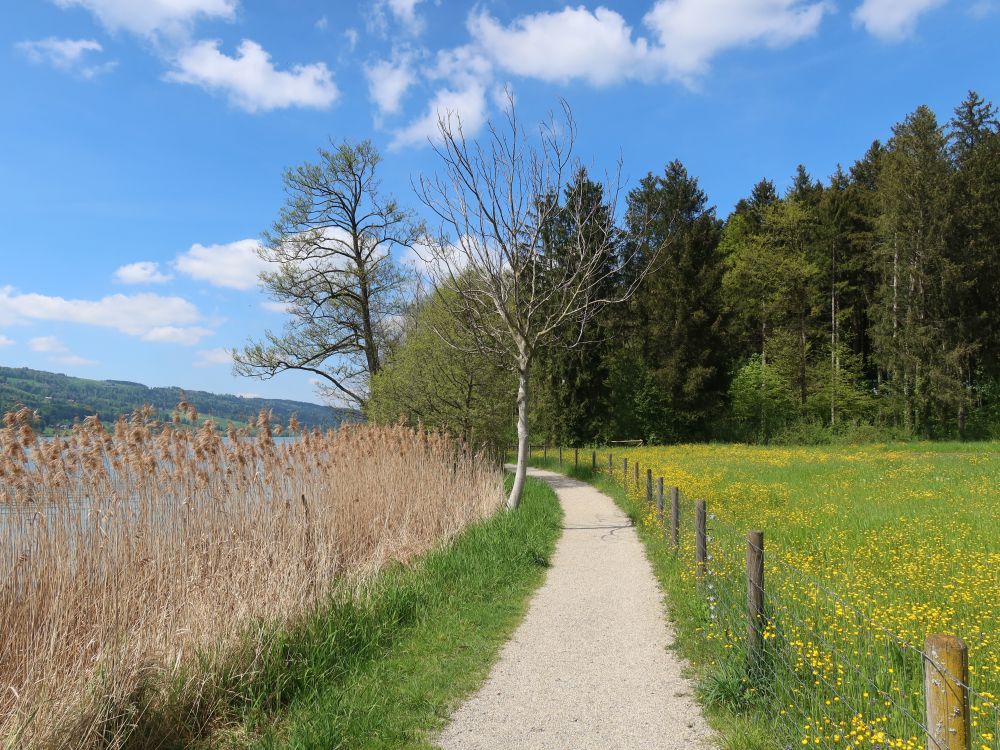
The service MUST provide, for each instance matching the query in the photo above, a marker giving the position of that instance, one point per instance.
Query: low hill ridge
(59, 399)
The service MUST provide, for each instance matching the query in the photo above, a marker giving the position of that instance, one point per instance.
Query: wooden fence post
(636, 463)
(649, 488)
(659, 498)
(701, 540)
(625, 473)
(675, 516)
(560, 454)
(593, 460)
(576, 458)
(946, 693)
(755, 598)
(545, 451)
(610, 462)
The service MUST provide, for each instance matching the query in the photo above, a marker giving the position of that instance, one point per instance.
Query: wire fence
(789, 646)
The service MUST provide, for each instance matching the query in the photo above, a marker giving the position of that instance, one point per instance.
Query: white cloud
(5, 341)
(213, 358)
(250, 80)
(466, 105)
(405, 13)
(149, 17)
(185, 335)
(233, 265)
(277, 307)
(59, 351)
(388, 82)
(692, 32)
(322, 24)
(134, 315)
(69, 55)
(72, 359)
(143, 272)
(467, 75)
(351, 36)
(47, 344)
(892, 20)
(560, 46)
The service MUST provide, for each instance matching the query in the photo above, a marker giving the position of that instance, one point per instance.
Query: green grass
(384, 669)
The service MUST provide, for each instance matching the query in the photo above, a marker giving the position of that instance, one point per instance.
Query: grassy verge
(740, 724)
(385, 669)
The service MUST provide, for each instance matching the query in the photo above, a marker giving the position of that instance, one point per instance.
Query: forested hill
(59, 399)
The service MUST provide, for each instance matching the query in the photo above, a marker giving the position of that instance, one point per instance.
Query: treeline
(59, 400)
(863, 306)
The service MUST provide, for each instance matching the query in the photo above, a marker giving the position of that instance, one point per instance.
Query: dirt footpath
(589, 667)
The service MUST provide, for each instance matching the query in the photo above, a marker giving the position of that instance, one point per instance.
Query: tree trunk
(523, 369)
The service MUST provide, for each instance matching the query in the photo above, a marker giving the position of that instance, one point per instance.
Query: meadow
(868, 551)
(151, 575)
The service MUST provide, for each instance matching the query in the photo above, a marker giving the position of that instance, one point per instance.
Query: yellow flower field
(868, 551)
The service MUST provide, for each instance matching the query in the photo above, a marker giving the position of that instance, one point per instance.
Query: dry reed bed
(146, 554)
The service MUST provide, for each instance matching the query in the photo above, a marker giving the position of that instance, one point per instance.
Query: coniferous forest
(864, 305)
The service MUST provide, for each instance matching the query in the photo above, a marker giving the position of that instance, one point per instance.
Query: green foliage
(60, 399)
(436, 377)
(762, 402)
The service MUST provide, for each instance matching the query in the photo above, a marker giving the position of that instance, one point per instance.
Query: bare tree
(496, 199)
(332, 253)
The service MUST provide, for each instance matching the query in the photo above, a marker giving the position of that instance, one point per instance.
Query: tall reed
(143, 556)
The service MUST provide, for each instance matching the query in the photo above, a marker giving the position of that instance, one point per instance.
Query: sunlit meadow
(868, 550)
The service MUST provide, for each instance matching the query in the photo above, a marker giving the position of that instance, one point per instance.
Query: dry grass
(141, 558)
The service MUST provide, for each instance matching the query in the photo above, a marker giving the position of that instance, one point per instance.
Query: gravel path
(589, 667)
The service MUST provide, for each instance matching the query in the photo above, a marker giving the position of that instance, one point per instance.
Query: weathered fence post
(545, 451)
(946, 693)
(755, 598)
(593, 460)
(649, 488)
(675, 516)
(701, 540)
(636, 463)
(659, 498)
(625, 473)
(576, 458)
(610, 462)
(560, 454)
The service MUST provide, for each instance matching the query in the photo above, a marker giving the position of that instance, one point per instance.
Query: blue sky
(142, 141)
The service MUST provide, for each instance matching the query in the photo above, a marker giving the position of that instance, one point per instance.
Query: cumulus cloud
(47, 344)
(388, 82)
(70, 55)
(561, 46)
(892, 20)
(5, 341)
(151, 17)
(143, 272)
(678, 41)
(277, 307)
(185, 335)
(692, 32)
(213, 358)
(134, 315)
(466, 75)
(403, 12)
(250, 80)
(232, 265)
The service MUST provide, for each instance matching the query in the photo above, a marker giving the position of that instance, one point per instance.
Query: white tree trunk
(514, 500)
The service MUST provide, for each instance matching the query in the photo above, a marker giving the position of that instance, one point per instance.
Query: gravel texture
(590, 665)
